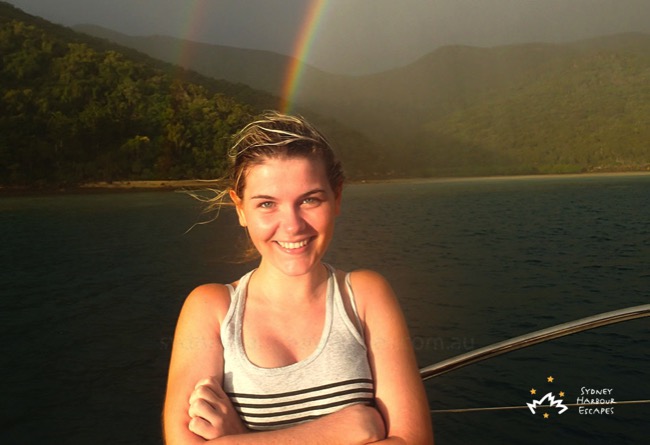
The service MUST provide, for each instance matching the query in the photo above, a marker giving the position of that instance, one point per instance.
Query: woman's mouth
(293, 245)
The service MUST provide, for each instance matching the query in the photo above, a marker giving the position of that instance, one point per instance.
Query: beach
(197, 184)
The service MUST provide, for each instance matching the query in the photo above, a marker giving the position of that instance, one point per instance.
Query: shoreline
(112, 187)
(198, 184)
(151, 185)
(502, 177)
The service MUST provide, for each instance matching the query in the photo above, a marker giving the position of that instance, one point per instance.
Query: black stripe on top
(366, 400)
(297, 420)
(282, 422)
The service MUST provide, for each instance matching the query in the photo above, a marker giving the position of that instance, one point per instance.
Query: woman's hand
(211, 412)
(365, 420)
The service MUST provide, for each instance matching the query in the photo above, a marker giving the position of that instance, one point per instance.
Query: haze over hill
(467, 110)
(263, 70)
(354, 37)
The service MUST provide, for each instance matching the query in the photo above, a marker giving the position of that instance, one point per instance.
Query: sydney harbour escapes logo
(550, 400)
(589, 401)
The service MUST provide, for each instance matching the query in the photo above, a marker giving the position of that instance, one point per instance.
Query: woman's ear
(239, 207)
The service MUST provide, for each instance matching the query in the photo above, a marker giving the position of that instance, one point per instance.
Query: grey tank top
(337, 374)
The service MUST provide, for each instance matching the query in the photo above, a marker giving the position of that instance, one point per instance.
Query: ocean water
(91, 285)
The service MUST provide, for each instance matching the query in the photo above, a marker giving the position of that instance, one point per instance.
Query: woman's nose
(292, 220)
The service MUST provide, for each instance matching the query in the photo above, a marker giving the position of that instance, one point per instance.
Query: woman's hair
(279, 136)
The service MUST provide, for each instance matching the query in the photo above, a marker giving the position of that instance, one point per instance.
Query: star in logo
(549, 379)
(533, 391)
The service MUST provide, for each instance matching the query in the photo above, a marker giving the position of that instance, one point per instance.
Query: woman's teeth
(285, 245)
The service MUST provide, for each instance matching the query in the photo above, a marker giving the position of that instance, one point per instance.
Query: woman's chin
(296, 265)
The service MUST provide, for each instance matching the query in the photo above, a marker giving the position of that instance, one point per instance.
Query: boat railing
(533, 338)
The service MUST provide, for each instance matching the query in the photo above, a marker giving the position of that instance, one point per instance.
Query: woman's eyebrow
(312, 192)
(304, 195)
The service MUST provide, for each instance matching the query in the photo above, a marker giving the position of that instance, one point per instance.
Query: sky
(354, 36)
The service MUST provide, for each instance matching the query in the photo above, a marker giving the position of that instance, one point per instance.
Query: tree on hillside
(71, 114)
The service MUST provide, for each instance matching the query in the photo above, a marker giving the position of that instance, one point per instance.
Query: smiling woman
(295, 350)
(289, 210)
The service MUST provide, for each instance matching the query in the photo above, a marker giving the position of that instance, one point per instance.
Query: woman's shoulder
(208, 300)
(210, 291)
(366, 280)
(366, 285)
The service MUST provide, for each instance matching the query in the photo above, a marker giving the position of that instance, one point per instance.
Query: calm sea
(91, 286)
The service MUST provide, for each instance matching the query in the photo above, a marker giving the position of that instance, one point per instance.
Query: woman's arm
(197, 352)
(354, 425)
(399, 390)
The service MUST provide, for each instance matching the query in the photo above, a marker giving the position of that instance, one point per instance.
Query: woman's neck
(271, 284)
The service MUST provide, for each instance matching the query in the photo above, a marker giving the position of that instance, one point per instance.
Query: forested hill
(74, 110)
(530, 108)
(460, 110)
(78, 109)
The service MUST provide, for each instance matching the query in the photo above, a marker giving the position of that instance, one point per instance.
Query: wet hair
(279, 136)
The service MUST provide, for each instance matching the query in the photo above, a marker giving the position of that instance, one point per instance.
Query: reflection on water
(92, 286)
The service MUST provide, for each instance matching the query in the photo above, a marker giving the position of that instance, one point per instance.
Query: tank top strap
(354, 326)
(353, 303)
(237, 300)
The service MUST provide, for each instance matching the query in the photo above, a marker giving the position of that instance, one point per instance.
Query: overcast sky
(355, 36)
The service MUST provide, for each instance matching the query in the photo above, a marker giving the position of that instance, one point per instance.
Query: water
(92, 285)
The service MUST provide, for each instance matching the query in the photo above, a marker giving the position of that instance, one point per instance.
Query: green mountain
(506, 110)
(465, 110)
(78, 109)
(587, 115)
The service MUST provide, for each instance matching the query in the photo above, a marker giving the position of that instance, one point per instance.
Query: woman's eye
(266, 204)
(311, 201)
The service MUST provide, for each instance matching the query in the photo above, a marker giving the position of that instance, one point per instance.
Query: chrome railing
(533, 338)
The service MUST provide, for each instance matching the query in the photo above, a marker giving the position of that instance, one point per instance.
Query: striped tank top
(337, 374)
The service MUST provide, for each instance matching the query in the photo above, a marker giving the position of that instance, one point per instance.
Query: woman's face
(289, 209)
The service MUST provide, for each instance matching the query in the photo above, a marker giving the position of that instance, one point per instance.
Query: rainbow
(305, 38)
(194, 16)
(196, 11)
